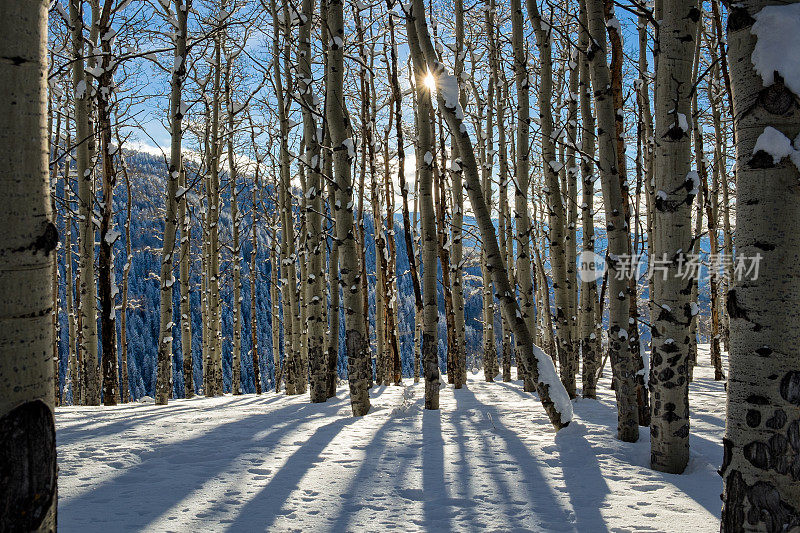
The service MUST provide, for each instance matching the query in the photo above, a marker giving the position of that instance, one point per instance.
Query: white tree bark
(27, 253)
(761, 465)
(675, 189)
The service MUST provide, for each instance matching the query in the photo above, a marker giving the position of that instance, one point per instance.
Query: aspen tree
(214, 371)
(557, 215)
(312, 162)
(184, 219)
(486, 140)
(73, 377)
(274, 298)
(84, 170)
(236, 359)
(28, 240)
(53, 137)
(254, 272)
(504, 217)
(167, 280)
(356, 344)
(761, 466)
(522, 181)
(288, 280)
(622, 361)
(107, 289)
(457, 246)
(590, 315)
(676, 186)
(126, 269)
(717, 174)
(424, 156)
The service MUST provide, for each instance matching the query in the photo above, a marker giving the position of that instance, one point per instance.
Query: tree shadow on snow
(167, 474)
(549, 513)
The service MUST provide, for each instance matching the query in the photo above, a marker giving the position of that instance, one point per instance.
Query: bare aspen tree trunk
(291, 333)
(108, 235)
(83, 166)
(486, 140)
(424, 151)
(675, 188)
(702, 172)
(390, 305)
(356, 344)
(556, 211)
(274, 295)
(718, 174)
(236, 359)
(551, 392)
(443, 251)
(590, 315)
(761, 491)
(254, 203)
(570, 240)
(214, 371)
(205, 284)
(314, 288)
(332, 342)
(72, 356)
(28, 241)
(167, 279)
(504, 217)
(457, 259)
(126, 269)
(622, 361)
(53, 138)
(184, 219)
(522, 183)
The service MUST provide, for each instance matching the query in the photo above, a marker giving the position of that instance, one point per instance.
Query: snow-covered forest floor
(488, 460)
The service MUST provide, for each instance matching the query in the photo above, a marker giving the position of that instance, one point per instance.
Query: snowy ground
(488, 460)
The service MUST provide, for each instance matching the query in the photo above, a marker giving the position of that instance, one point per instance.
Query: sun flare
(430, 82)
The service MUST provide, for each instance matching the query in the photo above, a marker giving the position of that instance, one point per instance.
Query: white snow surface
(778, 44)
(488, 460)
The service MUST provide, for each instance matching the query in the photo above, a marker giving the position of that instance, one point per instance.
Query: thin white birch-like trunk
(83, 167)
(590, 314)
(622, 361)
(675, 188)
(167, 279)
(356, 344)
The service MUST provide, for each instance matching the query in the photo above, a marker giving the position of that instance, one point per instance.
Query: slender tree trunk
(717, 174)
(166, 324)
(184, 219)
(274, 295)
(676, 188)
(557, 214)
(254, 272)
(590, 315)
(622, 361)
(73, 378)
(356, 344)
(126, 269)
(522, 183)
(430, 315)
(28, 241)
(83, 166)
